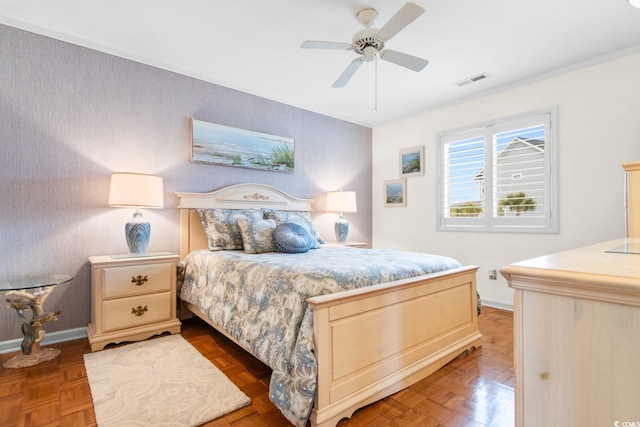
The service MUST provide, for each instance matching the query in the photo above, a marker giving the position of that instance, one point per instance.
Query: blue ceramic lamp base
(138, 232)
(341, 229)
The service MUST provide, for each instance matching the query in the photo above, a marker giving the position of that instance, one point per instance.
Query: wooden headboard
(238, 196)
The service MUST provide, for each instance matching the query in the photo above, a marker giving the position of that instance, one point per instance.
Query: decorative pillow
(222, 228)
(299, 217)
(257, 235)
(293, 238)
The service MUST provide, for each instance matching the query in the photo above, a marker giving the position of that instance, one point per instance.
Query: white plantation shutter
(464, 156)
(499, 176)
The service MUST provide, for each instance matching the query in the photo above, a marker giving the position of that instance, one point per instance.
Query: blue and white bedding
(260, 300)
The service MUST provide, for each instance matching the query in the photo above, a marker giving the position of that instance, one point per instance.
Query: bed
(354, 345)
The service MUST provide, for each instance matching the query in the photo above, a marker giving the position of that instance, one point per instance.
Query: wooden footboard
(373, 342)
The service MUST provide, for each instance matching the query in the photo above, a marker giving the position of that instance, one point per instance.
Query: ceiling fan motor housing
(367, 38)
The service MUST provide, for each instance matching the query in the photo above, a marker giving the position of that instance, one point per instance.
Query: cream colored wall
(599, 129)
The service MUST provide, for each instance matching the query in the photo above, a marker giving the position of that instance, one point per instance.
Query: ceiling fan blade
(404, 60)
(405, 16)
(348, 73)
(315, 44)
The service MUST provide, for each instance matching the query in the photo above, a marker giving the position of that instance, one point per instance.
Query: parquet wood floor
(475, 390)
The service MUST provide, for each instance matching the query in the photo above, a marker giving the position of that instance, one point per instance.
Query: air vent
(472, 79)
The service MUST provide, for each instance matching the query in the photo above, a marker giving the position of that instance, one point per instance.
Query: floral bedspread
(260, 300)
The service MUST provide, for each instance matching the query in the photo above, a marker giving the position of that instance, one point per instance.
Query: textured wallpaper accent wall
(71, 116)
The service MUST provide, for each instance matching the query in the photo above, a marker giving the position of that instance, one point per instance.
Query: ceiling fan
(369, 43)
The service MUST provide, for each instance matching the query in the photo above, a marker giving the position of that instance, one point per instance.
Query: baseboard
(497, 304)
(10, 346)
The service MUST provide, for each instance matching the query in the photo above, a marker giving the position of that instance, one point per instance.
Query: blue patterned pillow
(299, 217)
(257, 235)
(221, 226)
(292, 238)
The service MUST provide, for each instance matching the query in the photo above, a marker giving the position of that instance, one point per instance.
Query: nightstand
(353, 244)
(133, 297)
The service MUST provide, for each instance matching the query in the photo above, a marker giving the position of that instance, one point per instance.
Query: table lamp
(136, 190)
(341, 201)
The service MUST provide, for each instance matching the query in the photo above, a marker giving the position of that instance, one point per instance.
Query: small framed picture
(412, 161)
(395, 193)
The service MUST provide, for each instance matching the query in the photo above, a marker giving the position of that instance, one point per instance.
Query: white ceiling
(254, 45)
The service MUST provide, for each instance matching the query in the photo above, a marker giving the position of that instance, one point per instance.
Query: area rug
(158, 382)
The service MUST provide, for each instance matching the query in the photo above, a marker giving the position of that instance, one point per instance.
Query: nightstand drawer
(136, 311)
(136, 279)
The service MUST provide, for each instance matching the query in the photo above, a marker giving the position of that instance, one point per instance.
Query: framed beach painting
(395, 193)
(412, 161)
(229, 146)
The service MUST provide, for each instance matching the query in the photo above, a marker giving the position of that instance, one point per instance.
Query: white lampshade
(634, 3)
(136, 190)
(341, 201)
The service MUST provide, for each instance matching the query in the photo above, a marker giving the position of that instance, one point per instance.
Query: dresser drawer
(137, 279)
(118, 313)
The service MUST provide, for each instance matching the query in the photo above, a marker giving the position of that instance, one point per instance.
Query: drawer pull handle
(139, 280)
(139, 311)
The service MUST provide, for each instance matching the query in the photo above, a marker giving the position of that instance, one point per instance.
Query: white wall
(599, 128)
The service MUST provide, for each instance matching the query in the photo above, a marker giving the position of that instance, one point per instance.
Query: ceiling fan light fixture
(634, 3)
(369, 53)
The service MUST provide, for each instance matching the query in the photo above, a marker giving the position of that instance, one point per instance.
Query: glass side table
(30, 293)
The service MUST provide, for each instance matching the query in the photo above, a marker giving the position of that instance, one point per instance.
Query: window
(499, 176)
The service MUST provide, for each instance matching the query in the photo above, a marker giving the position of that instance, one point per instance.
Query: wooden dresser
(632, 194)
(577, 336)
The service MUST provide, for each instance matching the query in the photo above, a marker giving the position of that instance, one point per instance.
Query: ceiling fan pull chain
(375, 90)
